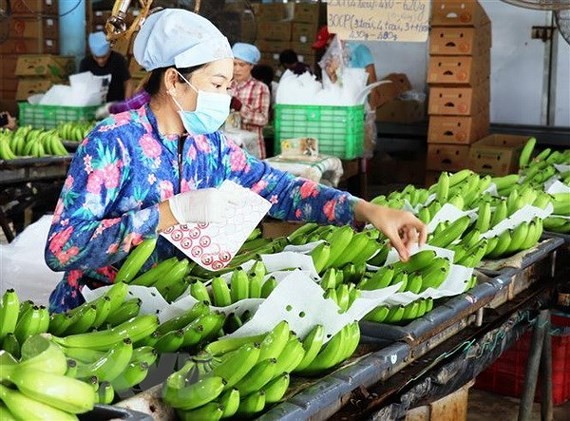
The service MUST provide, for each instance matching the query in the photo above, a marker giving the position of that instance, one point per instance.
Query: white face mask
(212, 110)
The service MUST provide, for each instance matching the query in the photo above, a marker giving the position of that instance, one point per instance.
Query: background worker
(140, 173)
(290, 61)
(358, 56)
(103, 61)
(250, 97)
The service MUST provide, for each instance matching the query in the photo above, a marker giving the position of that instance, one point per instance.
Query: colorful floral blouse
(125, 168)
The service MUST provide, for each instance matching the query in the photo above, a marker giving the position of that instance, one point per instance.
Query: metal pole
(546, 411)
(525, 406)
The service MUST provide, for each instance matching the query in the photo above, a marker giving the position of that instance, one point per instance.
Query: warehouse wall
(517, 66)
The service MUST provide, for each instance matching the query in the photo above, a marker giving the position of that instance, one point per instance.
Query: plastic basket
(507, 374)
(49, 116)
(339, 129)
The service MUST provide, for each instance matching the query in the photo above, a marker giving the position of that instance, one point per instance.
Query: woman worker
(250, 97)
(139, 172)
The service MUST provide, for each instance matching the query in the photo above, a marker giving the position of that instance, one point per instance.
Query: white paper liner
(303, 248)
(289, 259)
(524, 214)
(562, 167)
(449, 213)
(492, 190)
(440, 252)
(556, 186)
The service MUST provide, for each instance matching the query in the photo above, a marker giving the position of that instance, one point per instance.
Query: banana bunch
(19, 321)
(422, 271)
(524, 236)
(343, 295)
(542, 167)
(194, 327)
(6, 152)
(400, 313)
(448, 232)
(109, 309)
(36, 387)
(169, 277)
(413, 195)
(75, 130)
(28, 142)
(135, 260)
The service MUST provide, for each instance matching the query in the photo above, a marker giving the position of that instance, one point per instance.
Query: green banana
(39, 353)
(502, 244)
(58, 391)
(193, 395)
(329, 355)
(436, 274)
(170, 341)
(9, 312)
(422, 307)
(357, 244)
(415, 282)
(212, 411)
(274, 342)
(518, 237)
(83, 355)
(300, 235)
(291, 356)
(379, 279)
(173, 277)
(505, 182)
(155, 273)
(110, 365)
(102, 310)
(220, 292)
(342, 297)
(230, 402)
(451, 233)
(199, 291)
(459, 176)
(239, 285)
(23, 407)
(252, 404)
(136, 328)
(411, 311)
(117, 294)
(528, 148)
(417, 262)
(276, 388)
(268, 286)
(320, 255)
(11, 345)
(132, 375)
(178, 322)
(105, 393)
(135, 260)
(235, 365)
(83, 322)
(260, 374)
(127, 311)
(338, 240)
(255, 282)
(378, 314)
(28, 323)
(352, 340)
(395, 314)
(312, 344)
(483, 222)
(442, 189)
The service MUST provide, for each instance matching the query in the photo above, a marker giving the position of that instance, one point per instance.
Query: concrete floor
(484, 406)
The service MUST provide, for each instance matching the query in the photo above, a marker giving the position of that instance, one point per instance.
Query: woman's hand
(402, 228)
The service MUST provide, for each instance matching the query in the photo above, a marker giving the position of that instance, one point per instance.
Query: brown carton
(447, 157)
(390, 91)
(34, 7)
(24, 27)
(459, 130)
(278, 31)
(29, 46)
(458, 70)
(271, 228)
(401, 111)
(27, 87)
(270, 46)
(8, 66)
(465, 101)
(496, 154)
(304, 32)
(271, 12)
(302, 47)
(50, 66)
(310, 12)
(457, 13)
(459, 41)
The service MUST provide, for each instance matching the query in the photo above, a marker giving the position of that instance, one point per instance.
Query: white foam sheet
(556, 186)
(449, 213)
(303, 248)
(288, 259)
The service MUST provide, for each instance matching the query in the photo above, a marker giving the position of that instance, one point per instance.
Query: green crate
(49, 116)
(339, 129)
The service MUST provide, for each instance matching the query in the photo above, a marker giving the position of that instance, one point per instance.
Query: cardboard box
(34, 7)
(271, 12)
(29, 46)
(272, 46)
(458, 70)
(457, 13)
(401, 111)
(136, 70)
(8, 65)
(496, 154)
(304, 48)
(459, 101)
(52, 67)
(459, 41)
(304, 32)
(272, 228)
(278, 31)
(27, 87)
(310, 12)
(458, 130)
(23, 27)
(390, 91)
(444, 157)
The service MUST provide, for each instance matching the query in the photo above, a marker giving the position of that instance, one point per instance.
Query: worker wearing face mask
(143, 171)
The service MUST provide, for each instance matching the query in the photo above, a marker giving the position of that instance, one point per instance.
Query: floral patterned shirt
(125, 168)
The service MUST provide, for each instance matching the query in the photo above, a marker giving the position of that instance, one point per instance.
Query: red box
(506, 376)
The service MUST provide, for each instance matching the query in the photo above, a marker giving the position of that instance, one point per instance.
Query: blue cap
(181, 38)
(98, 44)
(246, 52)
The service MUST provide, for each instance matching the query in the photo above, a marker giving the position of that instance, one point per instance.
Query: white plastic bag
(23, 267)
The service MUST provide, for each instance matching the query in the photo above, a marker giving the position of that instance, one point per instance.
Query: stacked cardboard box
(282, 26)
(33, 29)
(36, 73)
(458, 77)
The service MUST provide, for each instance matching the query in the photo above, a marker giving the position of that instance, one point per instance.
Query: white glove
(103, 111)
(203, 205)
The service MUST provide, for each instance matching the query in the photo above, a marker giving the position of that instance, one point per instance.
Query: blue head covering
(181, 38)
(246, 52)
(98, 44)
